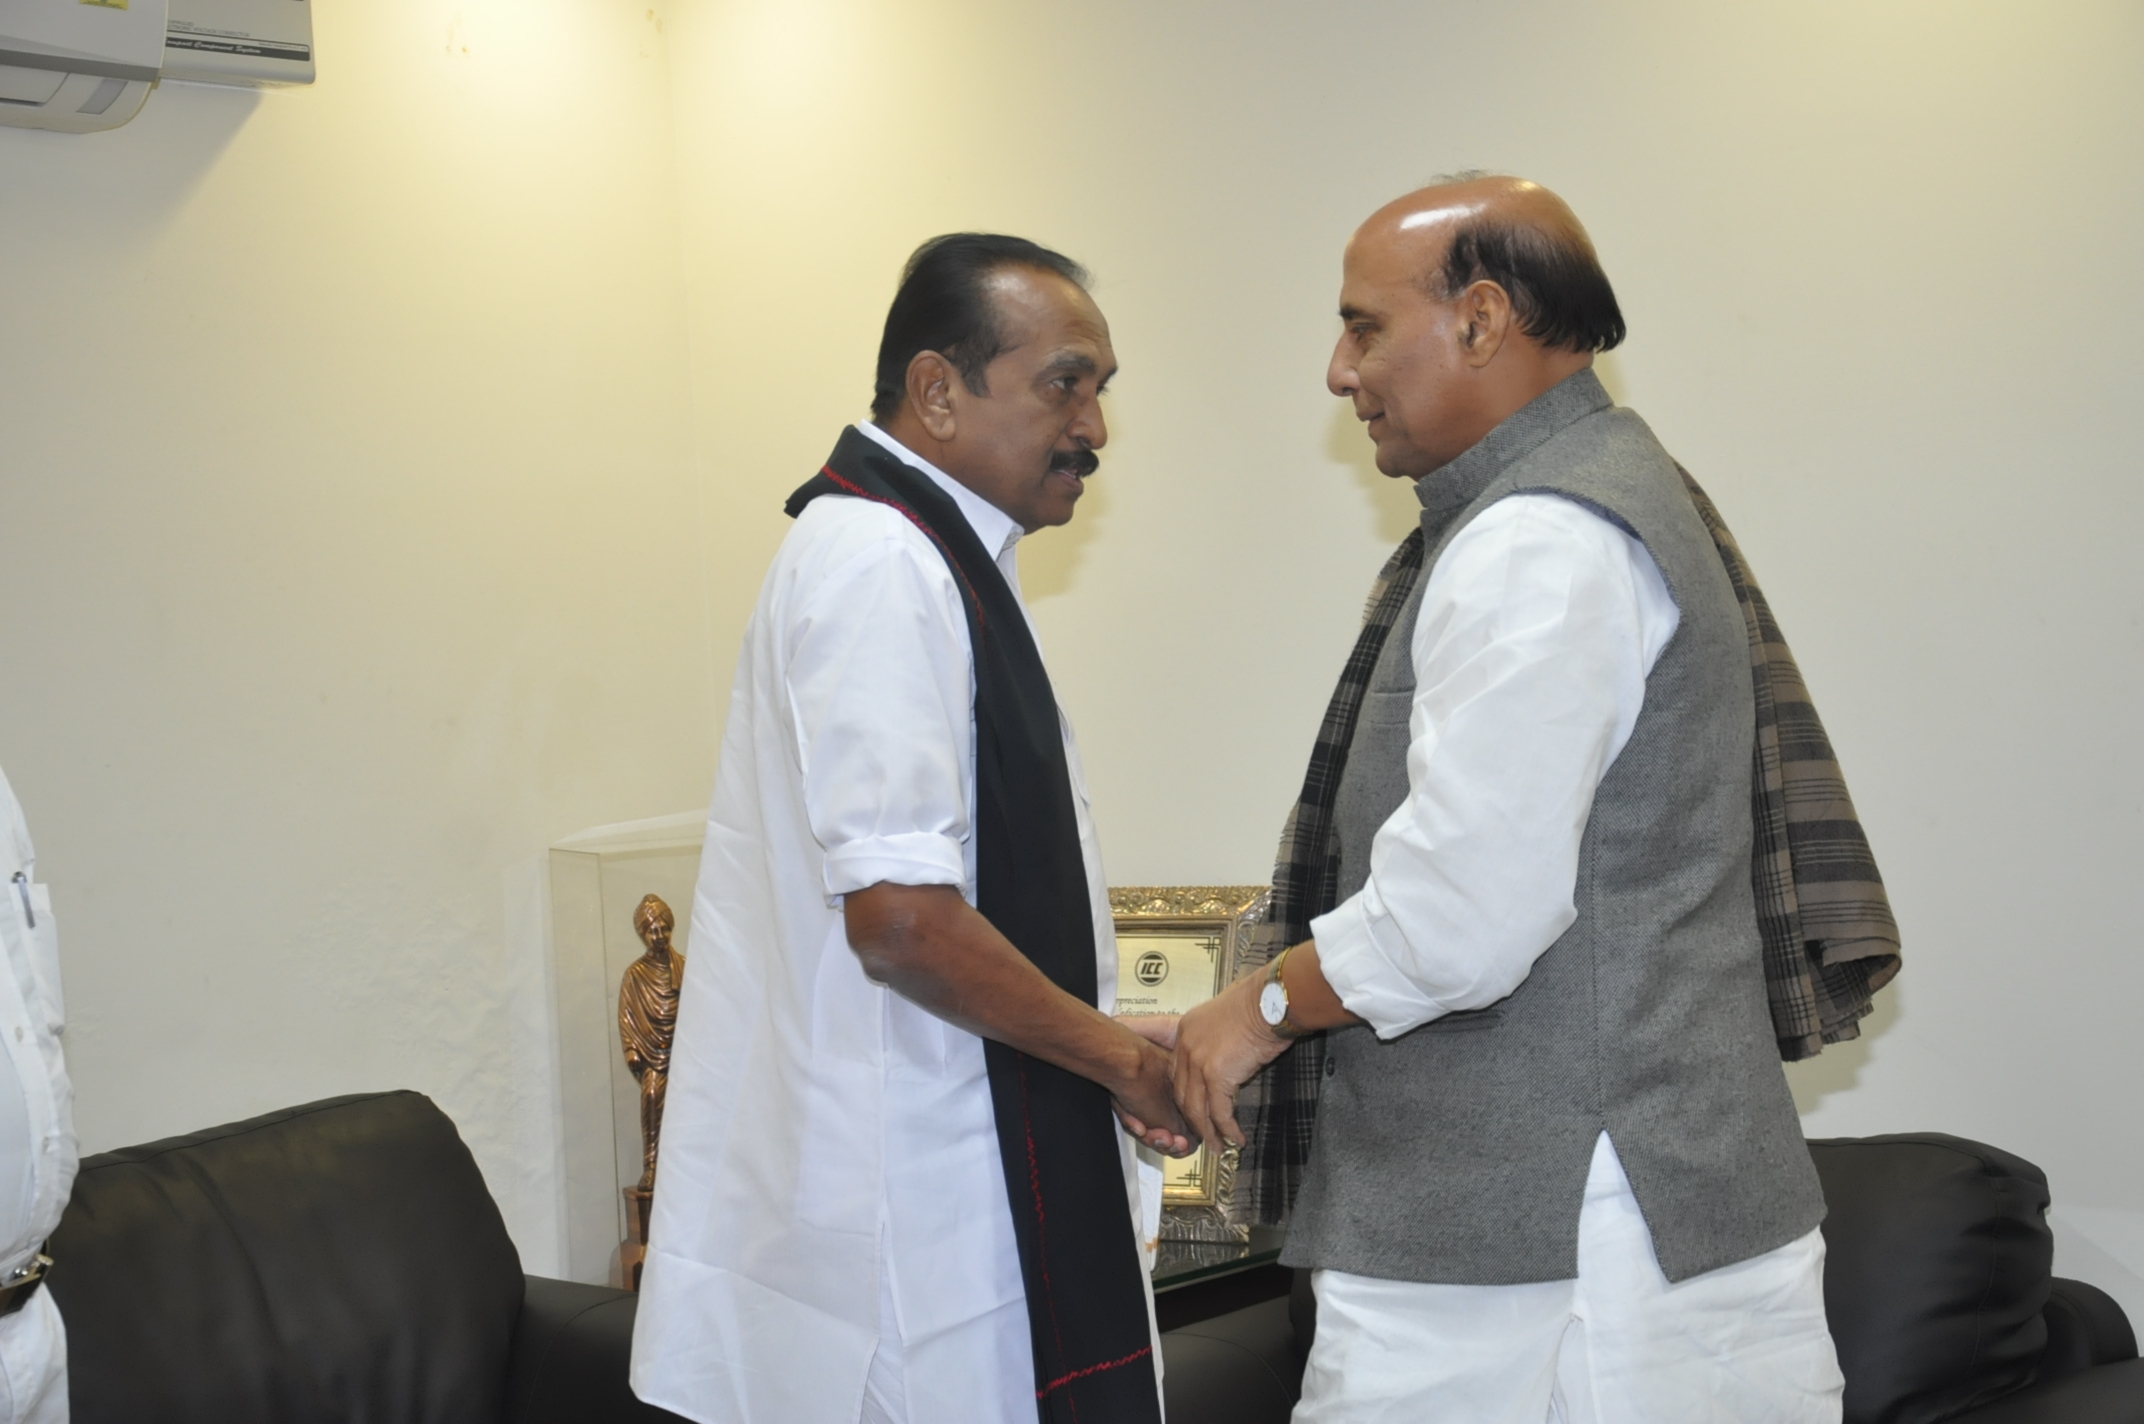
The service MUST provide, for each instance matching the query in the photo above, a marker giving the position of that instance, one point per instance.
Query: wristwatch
(1273, 1000)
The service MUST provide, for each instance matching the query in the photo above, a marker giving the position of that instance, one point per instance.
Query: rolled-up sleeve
(880, 688)
(1538, 627)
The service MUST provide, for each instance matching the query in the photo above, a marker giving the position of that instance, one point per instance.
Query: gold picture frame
(1178, 946)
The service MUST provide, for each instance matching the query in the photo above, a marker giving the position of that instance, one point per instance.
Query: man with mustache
(1556, 1173)
(892, 1183)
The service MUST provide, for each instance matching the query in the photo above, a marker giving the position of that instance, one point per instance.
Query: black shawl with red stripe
(1057, 1135)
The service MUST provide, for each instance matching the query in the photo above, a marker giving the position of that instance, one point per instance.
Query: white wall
(349, 557)
(391, 466)
(1879, 265)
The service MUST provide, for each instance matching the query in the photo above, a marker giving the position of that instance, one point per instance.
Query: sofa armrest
(2084, 1328)
(572, 1348)
(2104, 1394)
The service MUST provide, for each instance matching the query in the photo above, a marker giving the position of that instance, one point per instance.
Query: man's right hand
(1146, 1102)
(934, 949)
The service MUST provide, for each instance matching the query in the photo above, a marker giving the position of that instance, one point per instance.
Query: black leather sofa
(1937, 1287)
(342, 1263)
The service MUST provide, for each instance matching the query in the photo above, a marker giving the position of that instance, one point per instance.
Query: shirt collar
(997, 530)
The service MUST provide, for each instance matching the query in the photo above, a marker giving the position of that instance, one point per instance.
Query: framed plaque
(1178, 946)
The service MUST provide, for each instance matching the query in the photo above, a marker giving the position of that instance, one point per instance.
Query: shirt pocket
(26, 933)
(45, 959)
(1466, 1021)
(1389, 707)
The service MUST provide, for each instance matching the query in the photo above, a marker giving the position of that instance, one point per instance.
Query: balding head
(1485, 227)
(1463, 302)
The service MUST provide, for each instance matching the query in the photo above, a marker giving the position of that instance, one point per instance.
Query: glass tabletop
(1179, 1263)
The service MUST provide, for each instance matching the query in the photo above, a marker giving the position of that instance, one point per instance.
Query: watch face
(1273, 1004)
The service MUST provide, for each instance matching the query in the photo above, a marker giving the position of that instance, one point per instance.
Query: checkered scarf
(1278, 1107)
(1829, 940)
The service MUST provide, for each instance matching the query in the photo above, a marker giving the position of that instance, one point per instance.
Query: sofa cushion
(2105, 1394)
(1937, 1268)
(341, 1261)
(572, 1357)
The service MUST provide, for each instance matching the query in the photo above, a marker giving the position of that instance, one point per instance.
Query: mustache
(1081, 462)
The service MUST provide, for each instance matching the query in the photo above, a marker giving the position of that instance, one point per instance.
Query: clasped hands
(1185, 1091)
(1173, 1081)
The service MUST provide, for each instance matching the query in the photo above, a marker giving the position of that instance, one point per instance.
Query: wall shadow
(1838, 1068)
(119, 189)
(1050, 559)
(1392, 507)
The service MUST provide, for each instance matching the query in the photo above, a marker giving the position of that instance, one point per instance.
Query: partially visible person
(37, 1145)
(890, 1187)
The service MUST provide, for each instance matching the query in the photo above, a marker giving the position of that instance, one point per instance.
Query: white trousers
(33, 1363)
(1618, 1345)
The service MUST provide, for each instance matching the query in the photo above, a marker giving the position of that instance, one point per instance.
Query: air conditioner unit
(240, 41)
(78, 65)
(84, 65)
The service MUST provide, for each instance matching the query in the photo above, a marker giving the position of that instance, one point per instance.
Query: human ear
(1484, 322)
(930, 393)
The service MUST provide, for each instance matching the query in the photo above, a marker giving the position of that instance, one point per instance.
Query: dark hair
(944, 306)
(1559, 294)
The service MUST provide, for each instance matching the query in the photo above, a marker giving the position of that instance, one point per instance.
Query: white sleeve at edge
(880, 697)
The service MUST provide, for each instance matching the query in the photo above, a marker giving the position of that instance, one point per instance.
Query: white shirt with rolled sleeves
(831, 1237)
(1538, 627)
(37, 1143)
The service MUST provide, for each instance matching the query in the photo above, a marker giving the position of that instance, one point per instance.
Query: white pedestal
(598, 877)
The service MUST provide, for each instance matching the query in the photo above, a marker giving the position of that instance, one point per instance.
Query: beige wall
(393, 465)
(350, 558)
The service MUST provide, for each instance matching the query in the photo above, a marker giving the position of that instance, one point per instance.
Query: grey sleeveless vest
(1458, 1152)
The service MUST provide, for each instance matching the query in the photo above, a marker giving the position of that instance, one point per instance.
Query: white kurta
(37, 1144)
(830, 1204)
(1538, 627)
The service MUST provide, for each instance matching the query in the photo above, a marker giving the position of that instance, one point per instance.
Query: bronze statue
(647, 1022)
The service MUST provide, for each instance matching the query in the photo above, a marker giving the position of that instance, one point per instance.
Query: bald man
(1556, 1172)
